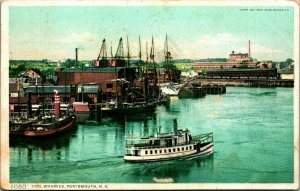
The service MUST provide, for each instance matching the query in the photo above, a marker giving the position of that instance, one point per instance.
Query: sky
(194, 32)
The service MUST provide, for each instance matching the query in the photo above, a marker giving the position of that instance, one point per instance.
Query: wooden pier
(214, 89)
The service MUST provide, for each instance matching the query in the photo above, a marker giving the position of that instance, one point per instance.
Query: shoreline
(246, 82)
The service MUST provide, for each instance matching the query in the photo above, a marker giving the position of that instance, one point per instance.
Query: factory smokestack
(249, 50)
(76, 57)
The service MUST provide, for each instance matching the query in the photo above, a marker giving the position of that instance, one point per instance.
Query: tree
(16, 70)
(289, 61)
(69, 63)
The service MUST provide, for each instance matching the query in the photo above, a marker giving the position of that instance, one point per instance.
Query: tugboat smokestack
(57, 104)
(29, 108)
(175, 126)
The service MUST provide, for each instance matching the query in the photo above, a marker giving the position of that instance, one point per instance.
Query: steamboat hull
(179, 144)
(200, 154)
(53, 131)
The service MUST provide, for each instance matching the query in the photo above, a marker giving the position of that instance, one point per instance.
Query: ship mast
(168, 58)
(154, 67)
(128, 54)
(140, 49)
(147, 57)
(128, 65)
(116, 74)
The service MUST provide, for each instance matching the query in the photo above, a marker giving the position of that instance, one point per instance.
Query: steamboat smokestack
(175, 126)
(29, 106)
(56, 103)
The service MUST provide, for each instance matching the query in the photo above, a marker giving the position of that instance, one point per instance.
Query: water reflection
(36, 149)
(175, 169)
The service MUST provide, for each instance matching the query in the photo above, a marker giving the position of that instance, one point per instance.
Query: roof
(49, 89)
(240, 70)
(232, 54)
(36, 71)
(81, 108)
(94, 69)
(286, 72)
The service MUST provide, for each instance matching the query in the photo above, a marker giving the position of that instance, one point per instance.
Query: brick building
(93, 75)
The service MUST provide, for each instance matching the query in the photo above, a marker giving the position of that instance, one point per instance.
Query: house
(33, 73)
(34, 76)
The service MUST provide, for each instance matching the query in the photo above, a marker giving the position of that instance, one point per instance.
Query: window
(150, 152)
(190, 147)
(178, 149)
(155, 151)
(146, 152)
(186, 148)
(165, 151)
(174, 150)
(170, 150)
(160, 151)
(182, 148)
(109, 85)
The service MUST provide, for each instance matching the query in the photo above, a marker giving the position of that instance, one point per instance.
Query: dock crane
(102, 57)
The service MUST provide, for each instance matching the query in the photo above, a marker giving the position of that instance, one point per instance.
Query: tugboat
(18, 126)
(167, 146)
(52, 125)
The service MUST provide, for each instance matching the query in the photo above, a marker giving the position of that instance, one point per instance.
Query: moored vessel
(123, 108)
(52, 124)
(168, 146)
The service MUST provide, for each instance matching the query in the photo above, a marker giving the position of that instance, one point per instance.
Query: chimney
(175, 126)
(29, 106)
(57, 103)
(249, 50)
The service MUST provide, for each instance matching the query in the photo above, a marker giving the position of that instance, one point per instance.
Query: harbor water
(253, 133)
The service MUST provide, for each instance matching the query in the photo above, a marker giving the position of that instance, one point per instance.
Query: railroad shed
(242, 73)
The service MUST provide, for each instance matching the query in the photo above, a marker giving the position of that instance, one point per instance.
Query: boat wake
(163, 180)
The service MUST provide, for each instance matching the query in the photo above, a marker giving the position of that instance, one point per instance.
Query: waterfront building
(93, 75)
(235, 60)
(239, 57)
(220, 65)
(267, 73)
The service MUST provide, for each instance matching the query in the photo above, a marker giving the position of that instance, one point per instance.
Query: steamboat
(168, 146)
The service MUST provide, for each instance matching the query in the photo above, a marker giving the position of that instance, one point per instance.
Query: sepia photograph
(149, 95)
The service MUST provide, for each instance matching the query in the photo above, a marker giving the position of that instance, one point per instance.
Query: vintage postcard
(149, 95)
